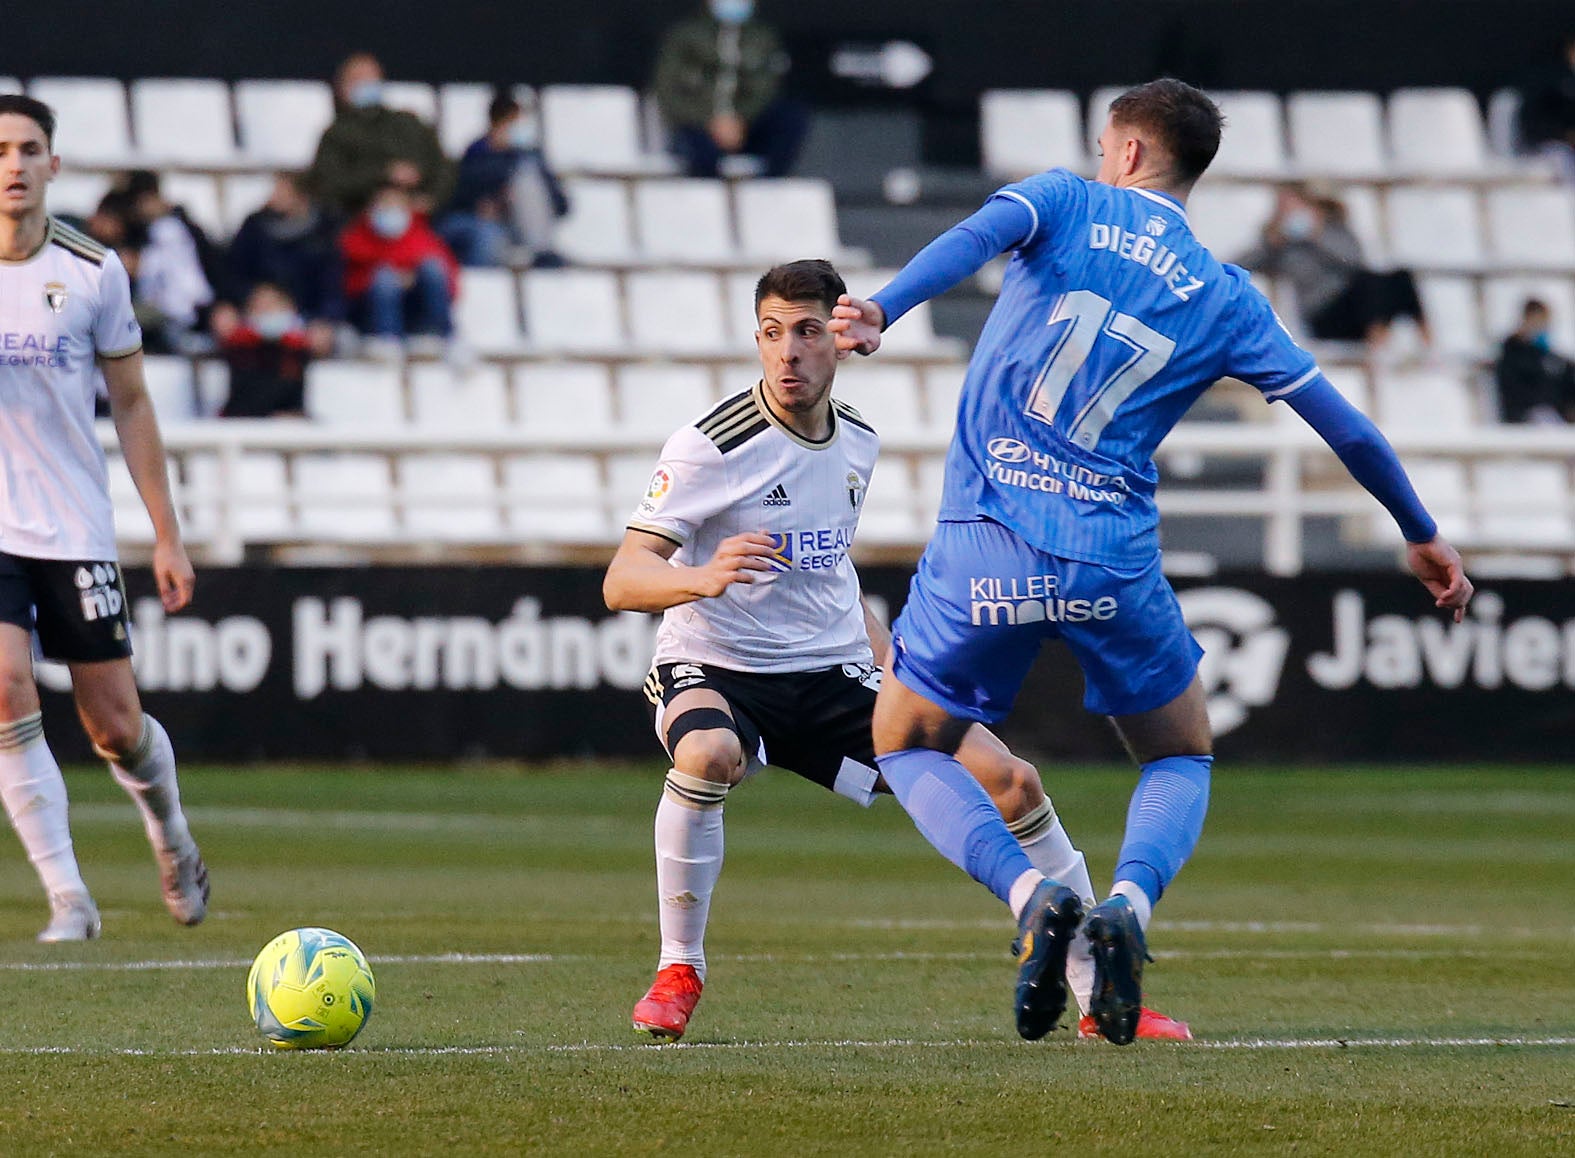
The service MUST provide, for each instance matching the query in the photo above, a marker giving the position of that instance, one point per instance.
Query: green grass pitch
(1374, 961)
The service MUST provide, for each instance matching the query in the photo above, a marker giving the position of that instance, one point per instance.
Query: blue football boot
(1044, 934)
(1119, 949)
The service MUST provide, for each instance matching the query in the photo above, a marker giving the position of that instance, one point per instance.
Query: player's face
(797, 353)
(26, 165)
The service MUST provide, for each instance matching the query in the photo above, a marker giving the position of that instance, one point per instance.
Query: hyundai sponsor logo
(1008, 450)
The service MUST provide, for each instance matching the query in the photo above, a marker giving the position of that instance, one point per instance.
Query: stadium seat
(927, 498)
(1437, 132)
(597, 229)
(350, 393)
(171, 387)
(9, 84)
(257, 493)
(655, 399)
(1503, 123)
(132, 524)
(596, 129)
(450, 498)
(1424, 400)
(1504, 297)
(569, 399)
(738, 299)
(92, 127)
(462, 116)
(281, 121)
(942, 388)
(213, 386)
(676, 312)
(731, 377)
(628, 478)
(1532, 228)
(486, 313)
(1441, 485)
(198, 194)
(784, 220)
(1253, 144)
(888, 516)
(1099, 112)
(1435, 228)
(684, 221)
(1523, 503)
(243, 195)
(1026, 131)
(1229, 219)
(573, 310)
(556, 498)
(1364, 216)
(412, 96)
(183, 122)
(77, 193)
(914, 334)
(1453, 315)
(445, 399)
(1350, 381)
(1337, 134)
(344, 498)
(886, 396)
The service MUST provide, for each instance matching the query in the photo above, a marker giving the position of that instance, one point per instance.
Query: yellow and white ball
(310, 989)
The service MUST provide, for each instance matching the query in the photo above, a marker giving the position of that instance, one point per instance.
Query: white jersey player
(65, 315)
(766, 651)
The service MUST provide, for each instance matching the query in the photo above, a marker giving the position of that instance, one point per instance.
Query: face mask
(1300, 224)
(272, 325)
(1541, 342)
(732, 11)
(390, 222)
(524, 133)
(368, 94)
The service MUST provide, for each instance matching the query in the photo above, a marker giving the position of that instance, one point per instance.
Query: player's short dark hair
(1182, 119)
(801, 281)
(140, 182)
(503, 107)
(35, 110)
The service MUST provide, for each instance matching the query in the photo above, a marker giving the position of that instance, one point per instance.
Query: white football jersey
(60, 309)
(739, 469)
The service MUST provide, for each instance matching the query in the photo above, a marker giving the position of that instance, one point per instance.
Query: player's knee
(18, 695)
(710, 754)
(1012, 783)
(114, 731)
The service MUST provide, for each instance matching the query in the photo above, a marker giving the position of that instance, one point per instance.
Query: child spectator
(400, 279)
(294, 244)
(267, 352)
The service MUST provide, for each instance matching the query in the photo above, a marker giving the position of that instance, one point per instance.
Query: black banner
(446, 663)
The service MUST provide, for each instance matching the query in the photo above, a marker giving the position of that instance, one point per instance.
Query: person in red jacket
(400, 278)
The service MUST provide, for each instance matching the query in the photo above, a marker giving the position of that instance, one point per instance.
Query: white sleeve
(115, 330)
(688, 487)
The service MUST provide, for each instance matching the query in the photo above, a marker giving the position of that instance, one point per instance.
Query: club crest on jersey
(1155, 226)
(855, 490)
(55, 295)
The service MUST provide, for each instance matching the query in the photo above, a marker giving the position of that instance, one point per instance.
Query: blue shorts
(983, 601)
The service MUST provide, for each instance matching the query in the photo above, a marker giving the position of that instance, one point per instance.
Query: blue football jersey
(1112, 320)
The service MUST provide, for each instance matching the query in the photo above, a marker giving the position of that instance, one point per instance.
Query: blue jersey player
(1112, 320)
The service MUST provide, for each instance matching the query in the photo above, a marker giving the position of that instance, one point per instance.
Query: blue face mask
(1541, 342)
(368, 94)
(390, 222)
(525, 133)
(272, 325)
(732, 11)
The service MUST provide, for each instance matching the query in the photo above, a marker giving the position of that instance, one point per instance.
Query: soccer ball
(310, 989)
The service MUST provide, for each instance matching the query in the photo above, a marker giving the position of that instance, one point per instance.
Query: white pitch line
(242, 963)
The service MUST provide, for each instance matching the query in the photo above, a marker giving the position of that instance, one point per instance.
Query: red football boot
(1151, 1025)
(664, 1011)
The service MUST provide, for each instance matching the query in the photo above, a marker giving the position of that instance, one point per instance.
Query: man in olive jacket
(370, 145)
(718, 84)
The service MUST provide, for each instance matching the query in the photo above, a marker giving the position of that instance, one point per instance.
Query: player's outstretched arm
(641, 578)
(1438, 566)
(138, 430)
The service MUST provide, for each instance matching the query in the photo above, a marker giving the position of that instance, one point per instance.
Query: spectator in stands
(369, 144)
(1535, 384)
(1308, 242)
(293, 244)
(719, 86)
(506, 200)
(108, 223)
(400, 278)
(267, 352)
(178, 266)
(1547, 112)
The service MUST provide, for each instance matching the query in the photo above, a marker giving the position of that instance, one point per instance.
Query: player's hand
(1438, 566)
(173, 573)
(857, 324)
(728, 131)
(737, 560)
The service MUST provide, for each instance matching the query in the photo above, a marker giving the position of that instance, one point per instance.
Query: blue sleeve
(1366, 453)
(1261, 352)
(1002, 223)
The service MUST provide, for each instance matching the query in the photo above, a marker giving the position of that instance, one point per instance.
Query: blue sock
(957, 816)
(1164, 821)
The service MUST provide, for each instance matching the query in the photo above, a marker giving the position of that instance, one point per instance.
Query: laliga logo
(1244, 651)
(1008, 450)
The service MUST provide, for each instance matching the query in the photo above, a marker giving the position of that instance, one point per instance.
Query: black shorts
(814, 723)
(78, 607)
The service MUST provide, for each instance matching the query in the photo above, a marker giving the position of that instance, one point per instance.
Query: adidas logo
(777, 498)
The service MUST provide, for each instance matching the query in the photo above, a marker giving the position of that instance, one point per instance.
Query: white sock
(688, 863)
(1022, 889)
(35, 800)
(1142, 907)
(148, 776)
(1044, 839)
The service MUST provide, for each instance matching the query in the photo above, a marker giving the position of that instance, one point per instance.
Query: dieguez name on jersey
(34, 350)
(1160, 260)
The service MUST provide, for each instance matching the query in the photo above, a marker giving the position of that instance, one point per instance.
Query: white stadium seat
(597, 230)
(782, 220)
(1504, 297)
(1532, 228)
(450, 498)
(932, 480)
(1437, 132)
(1523, 503)
(257, 492)
(132, 524)
(628, 478)
(344, 498)
(1503, 123)
(886, 396)
(243, 195)
(445, 399)
(1351, 382)
(462, 116)
(676, 312)
(888, 515)
(685, 221)
(1453, 315)
(412, 96)
(1435, 228)
(1441, 485)
(1424, 400)
(77, 193)
(1099, 112)
(1337, 134)
(1229, 219)
(573, 310)
(346, 393)
(198, 194)
(1364, 216)
(213, 386)
(1253, 144)
(183, 122)
(655, 399)
(9, 84)
(942, 389)
(592, 128)
(738, 297)
(171, 387)
(281, 121)
(572, 399)
(487, 313)
(557, 498)
(1026, 131)
(91, 124)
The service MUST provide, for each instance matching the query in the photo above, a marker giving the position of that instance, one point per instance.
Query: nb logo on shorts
(100, 592)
